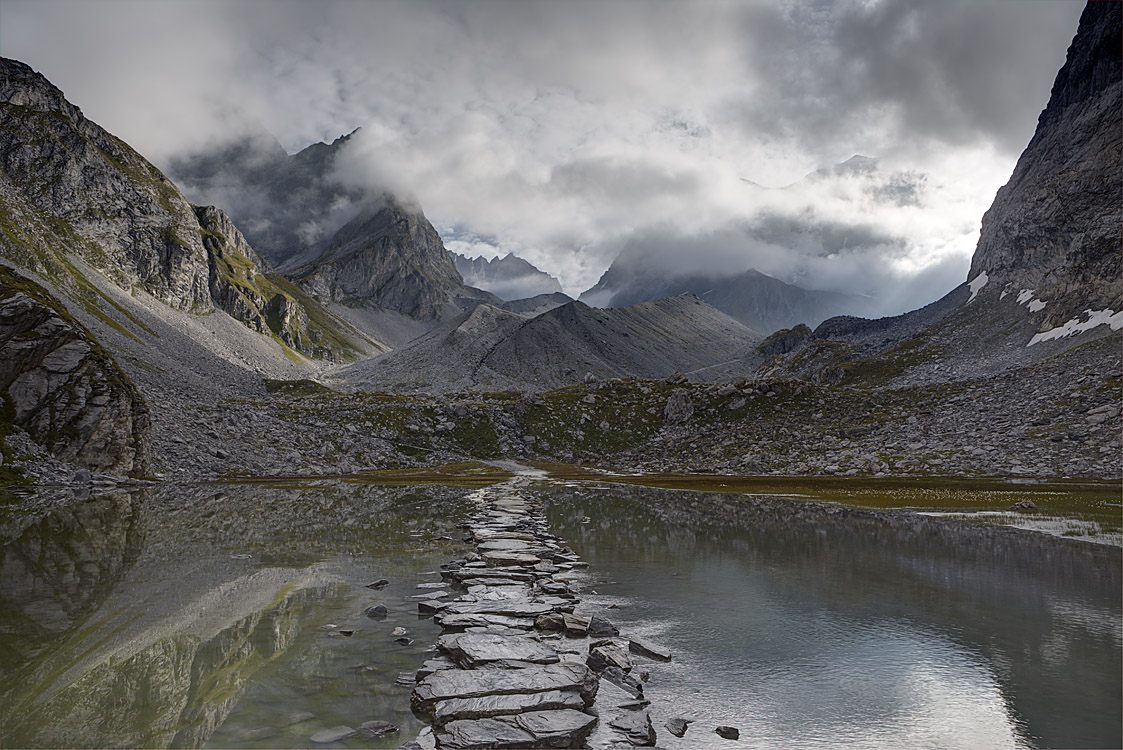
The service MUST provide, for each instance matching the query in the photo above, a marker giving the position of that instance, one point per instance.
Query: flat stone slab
(484, 573)
(488, 706)
(459, 683)
(487, 536)
(558, 728)
(509, 607)
(473, 649)
(498, 559)
(469, 734)
(483, 620)
(648, 649)
(507, 545)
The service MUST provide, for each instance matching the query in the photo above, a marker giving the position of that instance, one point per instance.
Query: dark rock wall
(1057, 225)
(63, 388)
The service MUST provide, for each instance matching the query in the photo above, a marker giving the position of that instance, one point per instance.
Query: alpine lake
(811, 613)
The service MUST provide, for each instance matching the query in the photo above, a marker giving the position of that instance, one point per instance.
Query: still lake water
(193, 617)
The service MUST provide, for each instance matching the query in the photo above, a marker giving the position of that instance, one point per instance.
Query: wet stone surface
(516, 666)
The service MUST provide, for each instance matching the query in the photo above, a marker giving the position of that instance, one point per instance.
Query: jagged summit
(508, 277)
(363, 247)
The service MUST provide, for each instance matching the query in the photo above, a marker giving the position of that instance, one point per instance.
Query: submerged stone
(677, 726)
(377, 728)
(334, 734)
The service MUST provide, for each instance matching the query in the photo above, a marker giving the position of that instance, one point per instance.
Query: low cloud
(567, 130)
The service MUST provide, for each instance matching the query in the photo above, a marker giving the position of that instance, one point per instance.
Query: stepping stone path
(516, 667)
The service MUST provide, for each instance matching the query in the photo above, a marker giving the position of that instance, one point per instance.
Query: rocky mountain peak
(1053, 233)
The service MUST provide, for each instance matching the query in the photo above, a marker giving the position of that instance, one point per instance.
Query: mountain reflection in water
(195, 617)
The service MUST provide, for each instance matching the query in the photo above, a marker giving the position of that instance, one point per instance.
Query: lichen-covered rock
(63, 388)
(784, 340)
(679, 408)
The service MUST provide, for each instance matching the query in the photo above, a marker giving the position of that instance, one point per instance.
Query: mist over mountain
(508, 277)
(286, 206)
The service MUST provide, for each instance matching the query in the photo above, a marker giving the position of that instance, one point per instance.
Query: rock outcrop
(1055, 228)
(63, 388)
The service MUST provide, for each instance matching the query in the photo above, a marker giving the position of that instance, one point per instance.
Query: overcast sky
(564, 130)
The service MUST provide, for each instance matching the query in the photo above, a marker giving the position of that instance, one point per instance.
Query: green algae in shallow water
(1076, 508)
(468, 475)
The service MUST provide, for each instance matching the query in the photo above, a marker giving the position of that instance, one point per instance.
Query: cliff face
(1056, 226)
(63, 388)
(69, 188)
(105, 201)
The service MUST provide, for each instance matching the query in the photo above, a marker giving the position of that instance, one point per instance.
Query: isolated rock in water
(679, 408)
(381, 583)
(636, 728)
(377, 612)
(63, 388)
(729, 733)
(677, 726)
